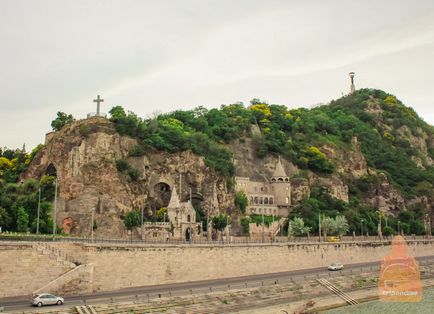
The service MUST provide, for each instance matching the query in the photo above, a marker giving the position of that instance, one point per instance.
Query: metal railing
(227, 241)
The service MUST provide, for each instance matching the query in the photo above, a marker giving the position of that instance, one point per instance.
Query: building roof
(279, 171)
(174, 200)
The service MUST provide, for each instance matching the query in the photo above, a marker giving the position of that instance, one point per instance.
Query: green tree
(132, 219)
(22, 220)
(61, 120)
(241, 201)
(5, 219)
(341, 225)
(219, 222)
(245, 224)
(328, 225)
(298, 227)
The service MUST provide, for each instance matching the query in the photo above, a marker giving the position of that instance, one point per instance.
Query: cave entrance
(51, 170)
(162, 194)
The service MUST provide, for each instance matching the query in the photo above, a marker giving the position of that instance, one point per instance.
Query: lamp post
(227, 228)
(91, 224)
(55, 209)
(361, 228)
(39, 209)
(319, 226)
(399, 231)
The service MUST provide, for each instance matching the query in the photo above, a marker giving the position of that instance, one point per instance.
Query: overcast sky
(165, 55)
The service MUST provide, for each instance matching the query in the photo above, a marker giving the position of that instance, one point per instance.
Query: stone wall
(128, 266)
(122, 266)
(24, 269)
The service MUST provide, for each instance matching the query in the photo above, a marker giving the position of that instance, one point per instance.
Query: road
(21, 303)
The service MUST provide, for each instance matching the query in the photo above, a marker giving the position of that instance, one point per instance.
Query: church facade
(270, 197)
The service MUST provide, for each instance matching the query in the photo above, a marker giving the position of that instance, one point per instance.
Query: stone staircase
(279, 226)
(45, 248)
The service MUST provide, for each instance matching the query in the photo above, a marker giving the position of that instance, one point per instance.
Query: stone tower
(281, 186)
(352, 87)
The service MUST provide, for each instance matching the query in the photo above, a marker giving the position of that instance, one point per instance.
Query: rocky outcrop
(300, 189)
(83, 157)
(350, 161)
(385, 197)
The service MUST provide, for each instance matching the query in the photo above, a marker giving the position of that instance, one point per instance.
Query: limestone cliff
(83, 157)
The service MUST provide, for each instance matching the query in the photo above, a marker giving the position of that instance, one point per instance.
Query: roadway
(22, 303)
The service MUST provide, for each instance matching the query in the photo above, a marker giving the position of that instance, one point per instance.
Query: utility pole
(55, 209)
(319, 226)
(91, 224)
(361, 228)
(39, 209)
(227, 227)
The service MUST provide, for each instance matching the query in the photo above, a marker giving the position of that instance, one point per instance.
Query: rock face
(385, 197)
(83, 157)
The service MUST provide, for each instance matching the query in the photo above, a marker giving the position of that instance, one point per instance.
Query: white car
(41, 299)
(335, 266)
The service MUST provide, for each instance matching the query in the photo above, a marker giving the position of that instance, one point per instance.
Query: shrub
(84, 130)
(241, 201)
(137, 151)
(134, 173)
(245, 224)
(122, 165)
(132, 219)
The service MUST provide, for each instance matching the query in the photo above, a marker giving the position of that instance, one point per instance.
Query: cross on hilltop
(98, 113)
(98, 100)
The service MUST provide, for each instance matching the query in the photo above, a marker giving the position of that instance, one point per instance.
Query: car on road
(41, 299)
(335, 266)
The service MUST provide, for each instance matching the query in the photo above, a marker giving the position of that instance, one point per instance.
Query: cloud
(148, 55)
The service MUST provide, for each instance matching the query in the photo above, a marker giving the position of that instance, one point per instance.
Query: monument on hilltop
(352, 87)
(98, 112)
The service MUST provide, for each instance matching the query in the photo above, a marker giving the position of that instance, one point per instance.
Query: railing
(231, 241)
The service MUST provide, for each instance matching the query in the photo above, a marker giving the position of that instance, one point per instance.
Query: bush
(134, 174)
(245, 224)
(84, 130)
(132, 219)
(122, 165)
(388, 231)
(137, 151)
(241, 201)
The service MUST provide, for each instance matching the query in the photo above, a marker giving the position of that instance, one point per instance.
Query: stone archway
(162, 194)
(188, 234)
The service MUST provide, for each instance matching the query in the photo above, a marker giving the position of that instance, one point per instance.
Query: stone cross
(98, 100)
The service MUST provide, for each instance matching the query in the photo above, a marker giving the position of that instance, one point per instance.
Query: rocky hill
(354, 156)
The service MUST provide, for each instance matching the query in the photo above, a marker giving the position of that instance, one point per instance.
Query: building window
(286, 179)
(251, 199)
(271, 200)
(155, 234)
(256, 200)
(262, 189)
(261, 201)
(188, 218)
(266, 200)
(259, 210)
